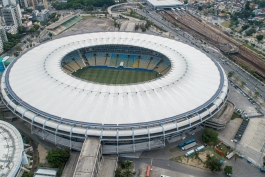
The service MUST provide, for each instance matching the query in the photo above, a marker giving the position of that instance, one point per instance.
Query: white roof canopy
(38, 79)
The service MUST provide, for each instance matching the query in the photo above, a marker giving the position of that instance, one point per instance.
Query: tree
(104, 7)
(209, 135)
(18, 48)
(127, 173)
(185, 1)
(256, 94)
(230, 74)
(21, 29)
(16, 54)
(28, 174)
(126, 164)
(259, 37)
(244, 27)
(228, 169)
(50, 34)
(243, 83)
(58, 157)
(236, 79)
(250, 32)
(199, 8)
(247, 7)
(213, 163)
(118, 173)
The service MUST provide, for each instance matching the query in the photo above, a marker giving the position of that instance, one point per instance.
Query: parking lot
(241, 102)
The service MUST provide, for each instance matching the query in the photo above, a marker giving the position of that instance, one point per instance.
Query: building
(3, 39)
(11, 29)
(3, 34)
(8, 2)
(12, 156)
(24, 3)
(222, 118)
(164, 4)
(12, 15)
(44, 171)
(41, 16)
(45, 4)
(189, 89)
(34, 4)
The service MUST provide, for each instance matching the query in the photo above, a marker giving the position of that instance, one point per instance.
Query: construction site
(216, 37)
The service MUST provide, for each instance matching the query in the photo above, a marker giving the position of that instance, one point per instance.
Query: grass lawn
(235, 115)
(199, 159)
(115, 76)
(225, 24)
(225, 149)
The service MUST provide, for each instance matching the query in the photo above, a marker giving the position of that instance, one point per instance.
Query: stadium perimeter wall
(115, 139)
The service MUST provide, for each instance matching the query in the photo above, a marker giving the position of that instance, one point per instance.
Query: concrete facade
(11, 15)
(221, 119)
(89, 159)
(41, 16)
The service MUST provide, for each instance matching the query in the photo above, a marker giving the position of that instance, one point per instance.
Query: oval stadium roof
(38, 79)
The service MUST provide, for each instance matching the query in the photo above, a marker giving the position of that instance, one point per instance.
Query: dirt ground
(42, 154)
(193, 161)
(89, 24)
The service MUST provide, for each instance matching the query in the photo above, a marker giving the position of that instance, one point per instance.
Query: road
(240, 168)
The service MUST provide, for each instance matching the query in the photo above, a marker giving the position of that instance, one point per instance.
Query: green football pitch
(114, 76)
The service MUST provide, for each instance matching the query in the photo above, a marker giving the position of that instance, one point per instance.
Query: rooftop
(192, 83)
(11, 148)
(165, 2)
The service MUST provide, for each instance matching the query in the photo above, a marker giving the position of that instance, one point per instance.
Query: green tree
(186, 1)
(118, 173)
(126, 164)
(256, 95)
(199, 8)
(243, 84)
(209, 135)
(18, 48)
(213, 163)
(259, 37)
(58, 157)
(16, 54)
(244, 27)
(127, 173)
(104, 7)
(247, 7)
(230, 74)
(50, 34)
(250, 32)
(28, 174)
(228, 169)
(21, 29)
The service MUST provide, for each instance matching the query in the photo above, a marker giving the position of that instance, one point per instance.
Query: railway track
(187, 28)
(201, 30)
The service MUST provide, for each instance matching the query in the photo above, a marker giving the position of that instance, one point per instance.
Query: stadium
(132, 91)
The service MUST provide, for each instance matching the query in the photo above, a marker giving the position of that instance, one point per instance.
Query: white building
(47, 172)
(12, 156)
(126, 118)
(8, 2)
(12, 15)
(41, 16)
(164, 4)
(3, 39)
(11, 29)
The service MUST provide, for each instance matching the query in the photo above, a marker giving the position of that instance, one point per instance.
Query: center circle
(115, 64)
